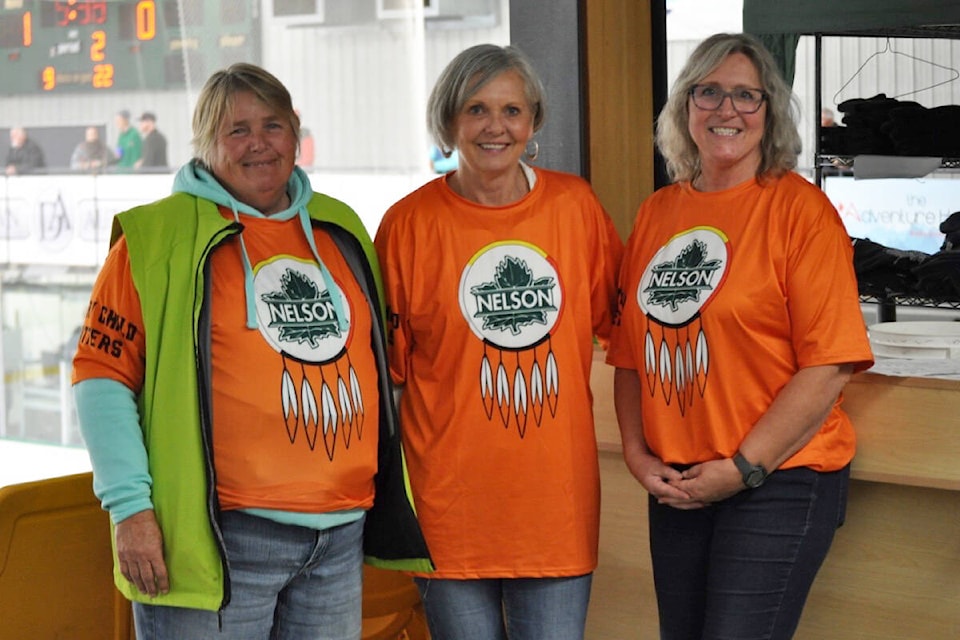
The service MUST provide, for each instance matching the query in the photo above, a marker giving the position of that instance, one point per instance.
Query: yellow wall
(620, 105)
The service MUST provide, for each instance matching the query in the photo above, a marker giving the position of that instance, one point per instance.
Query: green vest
(170, 242)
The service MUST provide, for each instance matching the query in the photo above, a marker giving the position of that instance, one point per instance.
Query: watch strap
(753, 475)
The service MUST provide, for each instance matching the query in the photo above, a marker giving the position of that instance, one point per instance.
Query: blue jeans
(741, 569)
(287, 583)
(514, 608)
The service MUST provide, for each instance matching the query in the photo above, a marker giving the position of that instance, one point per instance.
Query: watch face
(755, 478)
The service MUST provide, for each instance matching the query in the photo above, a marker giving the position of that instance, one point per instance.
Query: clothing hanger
(888, 48)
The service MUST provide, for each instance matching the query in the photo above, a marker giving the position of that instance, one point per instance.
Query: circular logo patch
(683, 275)
(511, 294)
(296, 313)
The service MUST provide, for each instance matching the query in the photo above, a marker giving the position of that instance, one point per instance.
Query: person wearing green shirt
(129, 144)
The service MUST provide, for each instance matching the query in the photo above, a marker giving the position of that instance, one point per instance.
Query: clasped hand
(693, 488)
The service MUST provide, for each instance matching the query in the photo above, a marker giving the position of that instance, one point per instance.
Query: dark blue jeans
(741, 569)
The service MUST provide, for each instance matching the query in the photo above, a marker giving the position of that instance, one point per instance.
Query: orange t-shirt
(725, 296)
(295, 403)
(493, 314)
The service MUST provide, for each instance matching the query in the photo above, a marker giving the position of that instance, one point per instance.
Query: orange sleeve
(398, 344)
(609, 254)
(112, 343)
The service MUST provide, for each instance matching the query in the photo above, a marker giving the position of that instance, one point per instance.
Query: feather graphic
(486, 385)
(288, 400)
(346, 411)
(703, 362)
(650, 362)
(310, 415)
(552, 383)
(356, 397)
(536, 391)
(503, 394)
(520, 400)
(329, 408)
(666, 372)
(680, 379)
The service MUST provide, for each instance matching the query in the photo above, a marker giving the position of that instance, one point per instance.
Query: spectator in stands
(826, 118)
(129, 144)
(154, 146)
(91, 154)
(25, 155)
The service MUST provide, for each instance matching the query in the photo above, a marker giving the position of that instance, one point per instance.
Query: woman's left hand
(711, 481)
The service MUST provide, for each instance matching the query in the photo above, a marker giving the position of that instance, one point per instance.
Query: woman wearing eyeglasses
(739, 326)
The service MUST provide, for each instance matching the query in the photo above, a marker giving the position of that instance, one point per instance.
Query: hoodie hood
(194, 179)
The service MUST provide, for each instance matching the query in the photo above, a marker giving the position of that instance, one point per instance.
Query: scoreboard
(59, 46)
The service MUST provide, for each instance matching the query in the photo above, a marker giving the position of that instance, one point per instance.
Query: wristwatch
(754, 475)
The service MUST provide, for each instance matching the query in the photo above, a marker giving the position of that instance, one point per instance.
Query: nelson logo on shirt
(320, 397)
(295, 310)
(683, 275)
(511, 296)
(675, 289)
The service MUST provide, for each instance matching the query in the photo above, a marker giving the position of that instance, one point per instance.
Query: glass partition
(359, 72)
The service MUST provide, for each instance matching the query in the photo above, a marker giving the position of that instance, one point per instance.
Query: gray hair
(780, 143)
(216, 99)
(466, 74)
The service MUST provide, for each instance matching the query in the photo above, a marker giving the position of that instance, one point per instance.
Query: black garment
(154, 150)
(27, 158)
(884, 272)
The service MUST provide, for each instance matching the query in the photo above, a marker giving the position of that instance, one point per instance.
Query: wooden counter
(894, 570)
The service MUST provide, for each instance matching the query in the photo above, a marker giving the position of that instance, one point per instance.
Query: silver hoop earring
(446, 152)
(532, 154)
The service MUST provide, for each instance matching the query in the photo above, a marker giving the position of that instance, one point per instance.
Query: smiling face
(254, 154)
(728, 141)
(494, 126)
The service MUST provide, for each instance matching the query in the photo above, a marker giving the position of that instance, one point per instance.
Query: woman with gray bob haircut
(499, 275)
(466, 75)
(781, 142)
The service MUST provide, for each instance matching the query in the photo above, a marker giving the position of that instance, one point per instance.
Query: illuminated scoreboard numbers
(102, 76)
(48, 79)
(56, 46)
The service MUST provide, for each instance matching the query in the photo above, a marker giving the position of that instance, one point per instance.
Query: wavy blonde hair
(780, 143)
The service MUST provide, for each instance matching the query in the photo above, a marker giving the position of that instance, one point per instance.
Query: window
(406, 8)
(361, 90)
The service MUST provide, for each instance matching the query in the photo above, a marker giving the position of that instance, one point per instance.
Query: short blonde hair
(216, 99)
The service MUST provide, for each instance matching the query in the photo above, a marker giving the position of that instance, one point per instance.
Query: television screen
(898, 213)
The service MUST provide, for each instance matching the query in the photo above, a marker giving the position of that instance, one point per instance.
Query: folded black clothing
(871, 112)
(950, 227)
(945, 148)
(863, 104)
(938, 278)
(920, 116)
(883, 271)
(851, 141)
(951, 223)
(869, 255)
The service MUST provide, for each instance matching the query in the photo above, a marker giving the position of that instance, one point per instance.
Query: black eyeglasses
(709, 97)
